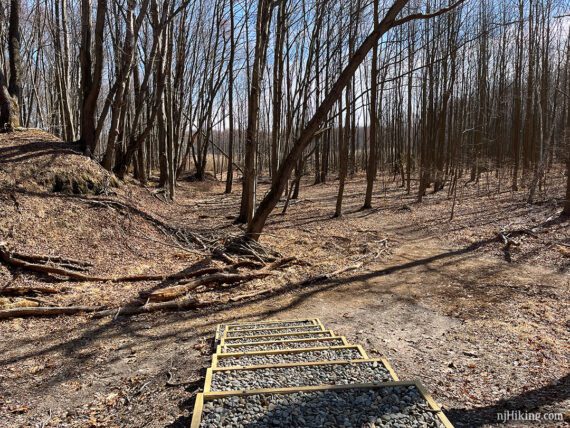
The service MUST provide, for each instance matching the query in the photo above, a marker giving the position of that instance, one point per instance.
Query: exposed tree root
(247, 247)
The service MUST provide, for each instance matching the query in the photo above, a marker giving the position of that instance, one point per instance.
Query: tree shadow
(529, 401)
(199, 324)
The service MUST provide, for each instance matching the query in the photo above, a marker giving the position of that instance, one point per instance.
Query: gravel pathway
(316, 343)
(398, 407)
(316, 335)
(283, 377)
(293, 357)
(300, 329)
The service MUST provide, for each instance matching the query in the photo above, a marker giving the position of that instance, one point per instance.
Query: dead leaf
(19, 409)
(111, 399)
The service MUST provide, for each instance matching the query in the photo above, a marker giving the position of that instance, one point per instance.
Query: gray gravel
(314, 343)
(239, 333)
(270, 325)
(293, 357)
(284, 377)
(397, 407)
(316, 335)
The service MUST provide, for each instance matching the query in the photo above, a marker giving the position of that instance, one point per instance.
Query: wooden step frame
(270, 337)
(210, 371)
(221, 328)
(205, 396)
(217, 357)
(310, 329)
(220, 348)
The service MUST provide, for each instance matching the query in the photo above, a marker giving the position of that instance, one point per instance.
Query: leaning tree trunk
(269, 202)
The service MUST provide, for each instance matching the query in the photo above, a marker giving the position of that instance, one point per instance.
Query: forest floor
(486, 330)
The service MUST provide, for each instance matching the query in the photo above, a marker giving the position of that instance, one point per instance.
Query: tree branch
(415, 16)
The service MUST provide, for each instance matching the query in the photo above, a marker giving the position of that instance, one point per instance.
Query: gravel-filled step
(395, 406)
(271, 346)
(309, 375)
(281, 330)
(260, 325)
(254, 339)
(291, 357)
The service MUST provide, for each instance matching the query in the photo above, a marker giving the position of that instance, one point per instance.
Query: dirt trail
(436, 313)
(443, 305)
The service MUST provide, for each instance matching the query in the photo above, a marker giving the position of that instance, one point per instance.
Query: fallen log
(9, 258)
(327, 276)
(250, 295)
(179, 305)
(19, 303)
(48, 259)
(171, 293)
(23, 291)
(46, 311)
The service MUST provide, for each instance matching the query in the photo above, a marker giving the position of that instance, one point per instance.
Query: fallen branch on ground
(22, 291)
(42, 311)
(250, 295)
(222, 277)
(171, 293)
(9, 258)
(50, 259)
(179, 305)
(99, 311)
(327, 276)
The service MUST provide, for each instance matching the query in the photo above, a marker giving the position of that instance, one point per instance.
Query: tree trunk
(14, 86)
(272, 198)
(91, 74)
(8, 107)
(277, 88)
(372, 161)
(230, 173)
(250, 174)
(566, 211)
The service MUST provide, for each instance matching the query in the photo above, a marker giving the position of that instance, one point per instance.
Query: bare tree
(272, 198)
(91, 72)
(250, 173)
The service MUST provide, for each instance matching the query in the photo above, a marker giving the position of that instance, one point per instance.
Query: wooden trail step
(276, 337)
(282, 345)
(234, 403)
(287, 370)
(284, 356)
(256, 325)
(271, 330)
(256, 362)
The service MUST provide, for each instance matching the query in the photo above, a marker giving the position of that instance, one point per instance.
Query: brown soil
(437, 297)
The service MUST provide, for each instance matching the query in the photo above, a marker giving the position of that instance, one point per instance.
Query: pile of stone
(295, 373)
